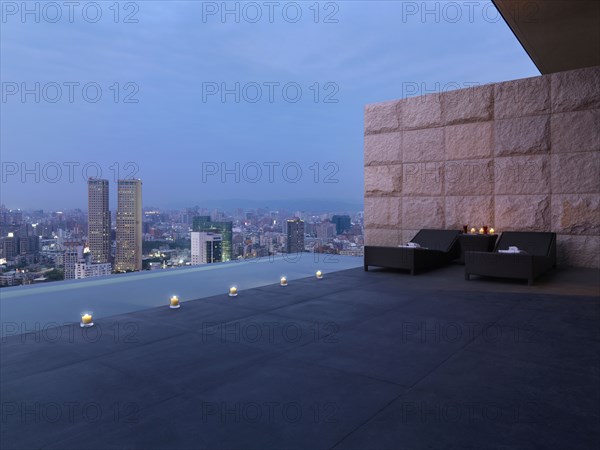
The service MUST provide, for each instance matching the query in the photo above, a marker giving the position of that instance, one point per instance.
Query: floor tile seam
(451, 355)
(540, 365)
(556, 334)
(96, 358)
(362, 375)
(337, 369)
(284, 351)
(366, 421)
(86, 432)
(195, 331)
(252, 365)
(502, 315)
(195, 393)
(497, 289)
(311, 298)
(320, 297)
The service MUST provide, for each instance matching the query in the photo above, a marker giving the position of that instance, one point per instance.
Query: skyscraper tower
(295, 236)
(206, 248)
(128, 256)
(204, 224)
(98, 221)
(342, 223)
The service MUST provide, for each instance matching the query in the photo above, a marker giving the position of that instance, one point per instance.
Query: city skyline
(38, 246)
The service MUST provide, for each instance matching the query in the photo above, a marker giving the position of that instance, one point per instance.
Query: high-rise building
(73, 255)
(206, 248)
(295, 235)
(85, 269)
(128, 252)
(98, 221)
(9, 247)
(225, 229)
(342, 223)
(325, 230)
(29, 245)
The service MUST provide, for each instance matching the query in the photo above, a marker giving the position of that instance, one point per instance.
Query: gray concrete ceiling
(558, 35)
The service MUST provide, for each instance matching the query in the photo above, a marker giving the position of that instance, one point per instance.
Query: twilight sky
(176, 60)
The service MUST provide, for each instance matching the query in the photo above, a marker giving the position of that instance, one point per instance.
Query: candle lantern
(86, 320)
(174, 304)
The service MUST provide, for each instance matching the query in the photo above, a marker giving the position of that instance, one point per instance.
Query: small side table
(475, 243)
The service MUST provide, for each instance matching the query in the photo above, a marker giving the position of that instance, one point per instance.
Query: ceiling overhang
(558, 35)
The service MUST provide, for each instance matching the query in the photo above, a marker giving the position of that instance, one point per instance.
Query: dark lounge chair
(437, 248)
(538, 256)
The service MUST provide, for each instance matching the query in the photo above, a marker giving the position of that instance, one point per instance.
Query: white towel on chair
(511, 250)
(410, 245)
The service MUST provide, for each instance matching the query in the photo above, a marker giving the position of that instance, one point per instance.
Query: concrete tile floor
(358, 360)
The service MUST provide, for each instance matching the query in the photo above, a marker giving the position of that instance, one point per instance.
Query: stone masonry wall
(518, 155)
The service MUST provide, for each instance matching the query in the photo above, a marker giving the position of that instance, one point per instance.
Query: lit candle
(283, 281)
(86, 320)
(473, 230)
(319, 274)
(492, 231)
(233, 291)
(174, 302)
(481, 231)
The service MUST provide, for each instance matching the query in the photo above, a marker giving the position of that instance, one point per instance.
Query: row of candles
(87, 320)
(482, 230)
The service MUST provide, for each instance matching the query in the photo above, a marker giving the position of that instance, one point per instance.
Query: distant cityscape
(40, 246)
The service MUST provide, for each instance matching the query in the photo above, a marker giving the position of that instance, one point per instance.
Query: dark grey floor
(357, 360)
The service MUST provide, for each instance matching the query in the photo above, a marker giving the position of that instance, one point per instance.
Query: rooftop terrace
(356, 360)
(27, 308)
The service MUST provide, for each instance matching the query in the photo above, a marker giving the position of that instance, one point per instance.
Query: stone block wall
(518, 155)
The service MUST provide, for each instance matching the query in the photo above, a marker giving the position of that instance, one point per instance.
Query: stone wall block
(522, 212)
(526, 97)
(576, 173)
(423, 145)
(422, 179)
(420, 112)
(383, 148)
(469, 177)
(383, 181)
(475, 212)
(381, 117)
(576, 131)
(522, 136)
(468, 141)
(383, 212)
(576, 214)
(473, 104)
(522, 175)
(382, 237)
(423, 212)
(575, 89)
(578, 251)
